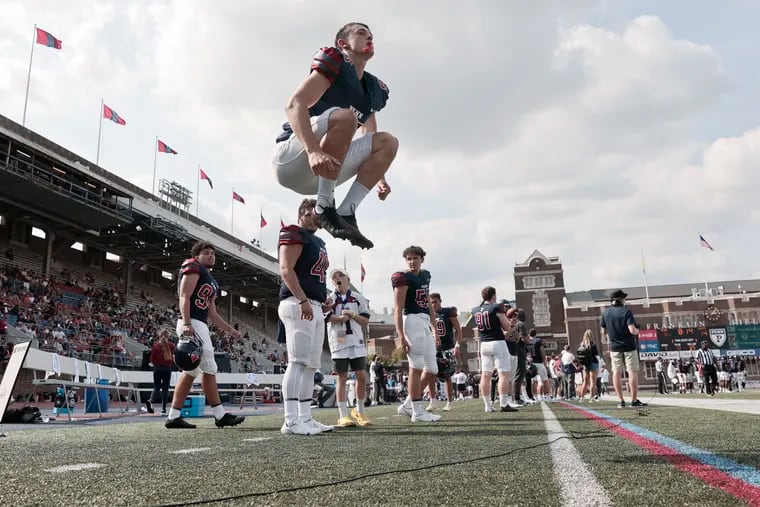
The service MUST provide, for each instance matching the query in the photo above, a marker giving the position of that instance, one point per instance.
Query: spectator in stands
(9, 254)
(161, 357)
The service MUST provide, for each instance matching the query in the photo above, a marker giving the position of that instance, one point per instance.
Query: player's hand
(307, 312)
(346, 314)
(188, 330)
(383, 190)
(323, 164)
(406, 345)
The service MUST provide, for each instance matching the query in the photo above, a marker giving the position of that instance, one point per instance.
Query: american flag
(703, 242)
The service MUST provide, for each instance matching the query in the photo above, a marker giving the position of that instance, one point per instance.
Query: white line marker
(258, 439)
(74, 468)
(571, 473)
(191, 451)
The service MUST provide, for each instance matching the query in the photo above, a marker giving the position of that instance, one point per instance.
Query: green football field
(546, 454)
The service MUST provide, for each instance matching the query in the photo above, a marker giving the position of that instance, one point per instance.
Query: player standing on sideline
(303, 268)
(537, 348)
(415, 321)
(317, 150)
(449, 332)
(197, 292)
(493, 326)
(346, 318)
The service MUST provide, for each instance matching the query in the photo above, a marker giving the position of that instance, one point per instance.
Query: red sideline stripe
(709, 475)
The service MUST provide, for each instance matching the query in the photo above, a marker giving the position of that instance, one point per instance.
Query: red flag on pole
(110, 114)
(263, 221)
(164, 148)
(204, 176)
(46, 39)
(237, 197)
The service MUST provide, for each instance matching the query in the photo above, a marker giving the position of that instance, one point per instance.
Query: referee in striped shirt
(706, 358)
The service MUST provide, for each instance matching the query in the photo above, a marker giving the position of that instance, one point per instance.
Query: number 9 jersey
(205, 290)
(417, 290)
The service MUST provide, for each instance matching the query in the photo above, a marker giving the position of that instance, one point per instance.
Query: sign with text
(746, 336)
(673, 339)
(648, 340)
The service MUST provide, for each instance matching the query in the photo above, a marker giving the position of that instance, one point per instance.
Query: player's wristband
(187, 325)
(304, 301)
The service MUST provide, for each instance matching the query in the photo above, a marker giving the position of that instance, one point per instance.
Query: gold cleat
(346, 422)
(361, 419)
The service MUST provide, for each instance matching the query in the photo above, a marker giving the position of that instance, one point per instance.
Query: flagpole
(704, 272)
(100, 128)
(29, 74)
(155, 157)
(232, 220)
(644, 270)
(261, 227)
(198, 191)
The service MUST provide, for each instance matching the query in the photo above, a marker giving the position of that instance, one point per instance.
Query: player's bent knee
(193, 373)
(342, 118)
(385, 142)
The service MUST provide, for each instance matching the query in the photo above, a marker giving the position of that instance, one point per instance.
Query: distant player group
(331, 137)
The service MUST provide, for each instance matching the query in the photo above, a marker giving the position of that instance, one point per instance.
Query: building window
(649, 369)
(536, 282)
(541, 315)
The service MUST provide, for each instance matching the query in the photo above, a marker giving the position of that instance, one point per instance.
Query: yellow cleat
(346, 422)
(360, 418)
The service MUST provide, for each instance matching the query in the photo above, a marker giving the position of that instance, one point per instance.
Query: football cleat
(447, 408)
(346, 422)
(335, 225)
(508, 409)
(357, 238)
(321, 428)
(490, 408)
(402, 410)
(179, 423)
(298, 427)
(425, 417)
(361, 419)
(229, 420)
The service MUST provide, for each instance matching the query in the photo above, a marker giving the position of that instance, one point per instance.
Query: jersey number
(483, 321)
(320, 267)
(440, 328)
(204, 296)
(421, 298)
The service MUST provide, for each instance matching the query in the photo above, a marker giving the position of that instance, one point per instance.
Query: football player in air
(197, 294)
(346, 319)
(303, 268)
(449, 333)
(319, 147)
(493, 325)
(415, 321)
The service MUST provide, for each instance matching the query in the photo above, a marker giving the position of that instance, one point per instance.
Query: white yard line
(191, 450)
(74, 468)
(258, 439)
(577, 483)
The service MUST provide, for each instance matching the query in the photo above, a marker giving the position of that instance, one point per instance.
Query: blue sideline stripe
(745, 473)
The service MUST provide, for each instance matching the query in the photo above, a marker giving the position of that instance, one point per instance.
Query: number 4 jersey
(311, 266)
(205, 290)
(417, 290)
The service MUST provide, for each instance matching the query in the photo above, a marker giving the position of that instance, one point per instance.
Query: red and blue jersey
(417, 290)
(363, 97)
(205, 291)
(444, 328)
(487, 321)
(311, 266)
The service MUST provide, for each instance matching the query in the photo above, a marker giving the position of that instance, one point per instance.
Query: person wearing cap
(345, 322)
(620, 326)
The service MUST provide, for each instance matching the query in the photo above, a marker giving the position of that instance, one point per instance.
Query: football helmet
(447, 363)
(188, 352)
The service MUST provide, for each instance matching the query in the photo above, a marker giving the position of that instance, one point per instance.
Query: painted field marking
(74, 467)
(257, 439)
(740, 481)
(571, 473)
(191, 450)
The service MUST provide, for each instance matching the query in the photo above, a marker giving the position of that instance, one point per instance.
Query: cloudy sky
(589, 130)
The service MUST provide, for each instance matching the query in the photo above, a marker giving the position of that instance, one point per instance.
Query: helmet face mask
(188, 352)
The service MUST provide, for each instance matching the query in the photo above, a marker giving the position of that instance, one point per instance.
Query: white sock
(342, 409)
(360, 405)
(291, 384)
(305, 393)
(355, 195)
(503, 400)
(174, 413)
(325, 193)
(408, 402)
(218, 411)
(486, 401)
(417, 407)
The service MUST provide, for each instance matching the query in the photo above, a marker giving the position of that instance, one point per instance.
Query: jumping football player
(197, 294)
(449, 332)
(303, 268)
(346, 318)
(493, 324)
(415, 321)
(318, 149)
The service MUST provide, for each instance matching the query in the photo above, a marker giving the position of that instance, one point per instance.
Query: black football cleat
(357, 238)
(334, 224)
(228, 420)
(508, 409)
(179, 423)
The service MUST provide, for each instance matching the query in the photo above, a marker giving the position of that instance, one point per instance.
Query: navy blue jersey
(537, 349)
(311, 266)
(444, 328)
(417, 290)
(205, 291)
(487, 321)
(363, 96)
